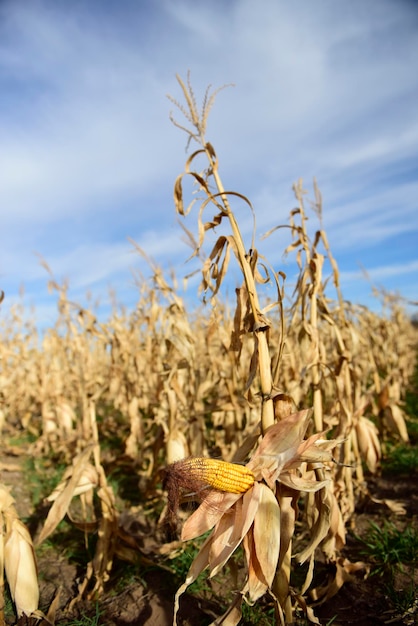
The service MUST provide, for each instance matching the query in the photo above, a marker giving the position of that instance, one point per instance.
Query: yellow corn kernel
(220, 475)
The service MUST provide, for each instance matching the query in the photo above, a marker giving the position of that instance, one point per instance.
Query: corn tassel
(220, 475)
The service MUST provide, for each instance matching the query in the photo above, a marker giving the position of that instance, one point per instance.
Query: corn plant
(263, 518)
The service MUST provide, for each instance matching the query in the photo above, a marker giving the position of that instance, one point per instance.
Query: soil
(147, 599)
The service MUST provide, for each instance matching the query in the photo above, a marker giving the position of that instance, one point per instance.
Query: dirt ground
(147, 599)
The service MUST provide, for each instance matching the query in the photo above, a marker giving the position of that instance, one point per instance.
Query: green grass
(9, 607)
(42, 477)
(402, 599)
(259, 614)
(86, 620)
(393, 553)
(22, 439)
(389, 548)
(400, 459)
(181, 563)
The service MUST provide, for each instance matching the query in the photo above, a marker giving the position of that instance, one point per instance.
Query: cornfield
(296, 394)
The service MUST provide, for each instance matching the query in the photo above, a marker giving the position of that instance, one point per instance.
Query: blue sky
(88, 156)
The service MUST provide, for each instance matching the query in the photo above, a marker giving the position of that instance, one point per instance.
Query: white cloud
(380, 273)
(326, 89)
(92, 128)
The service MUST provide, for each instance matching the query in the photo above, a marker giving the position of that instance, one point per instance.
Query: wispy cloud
(381, 273)
(89, 157)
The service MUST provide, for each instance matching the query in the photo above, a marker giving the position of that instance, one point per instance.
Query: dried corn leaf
(233, 614)
(231, 529)
(396, 506)
(87, 481)
(256, 585)
(345, 571)
(320, 527)
(266, 535)
(63, 499)
(6, 499)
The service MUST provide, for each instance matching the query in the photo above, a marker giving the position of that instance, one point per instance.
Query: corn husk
(18, 557)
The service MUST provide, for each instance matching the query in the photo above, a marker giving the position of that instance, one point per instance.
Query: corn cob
(220, 475)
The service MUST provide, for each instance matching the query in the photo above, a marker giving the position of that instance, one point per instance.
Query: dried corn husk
(18, 557)
(20, 566)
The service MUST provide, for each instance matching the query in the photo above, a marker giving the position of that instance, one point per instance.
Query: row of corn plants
(295, 394)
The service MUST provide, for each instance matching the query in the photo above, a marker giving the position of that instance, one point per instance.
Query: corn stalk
(257, 323)
(253, 322)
